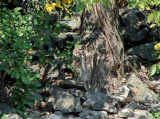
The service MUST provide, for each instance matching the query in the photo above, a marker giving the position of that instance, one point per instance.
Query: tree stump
(100, 52)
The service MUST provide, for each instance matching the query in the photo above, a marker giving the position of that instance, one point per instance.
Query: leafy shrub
(21, 33)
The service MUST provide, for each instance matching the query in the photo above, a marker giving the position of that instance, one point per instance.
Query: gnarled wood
(101, 49)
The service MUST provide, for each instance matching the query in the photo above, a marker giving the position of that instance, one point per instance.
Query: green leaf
(132, 3)
(20, 86)
(4, 116)
(16, 96)
(36, 90)
(13, 75)
(19, 105)
(17, 91)
(153, 70)
(25, 80)
(35, 84)
(24, 108)
(152, 25)
(150, 17)
(30, 103)
(17, 75)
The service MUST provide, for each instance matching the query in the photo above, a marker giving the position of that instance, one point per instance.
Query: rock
(141, 114)
(128, 31)
(140, 91)
(91, 91)
(75, 92)
(144, 51)
(132, 105)
(35, 68)
(95, 98)
(53, 116)
(13, 116)
(134, 61)
(131, 17)
(63, 38)
(109, 107)
(53, 72)
(122, 94)
(4, 107)
(72, 84)
(74, 22)
(155, 107)
(65, 116)
(62, 100)
(127, 112)
(90, 114)
(34, 114)
(67, 36)
(139, 36)
(4, 95)
(53, 17)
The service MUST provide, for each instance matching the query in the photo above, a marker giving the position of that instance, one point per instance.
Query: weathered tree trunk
(98, 57)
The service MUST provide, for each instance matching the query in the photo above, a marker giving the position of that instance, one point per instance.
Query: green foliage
(152, 6)
(155, 115)
(3, 116)
(25, 29)
(22, 32)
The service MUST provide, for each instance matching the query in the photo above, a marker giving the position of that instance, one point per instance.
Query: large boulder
(144, 51)
(61, 100)
(139, 90)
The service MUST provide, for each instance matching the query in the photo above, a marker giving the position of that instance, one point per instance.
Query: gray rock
(90, 114)
(134, 61)
(62, 39)
(74, 22)
(122, 94)
(66, 35)
(126, 112)
(13, 116)
(109, 107)
(53, 116)
(128, 31)
(139, 36)
(75, 92)
(58, 113)
(4, 95)
(35, 68)
(34, 114)
(131, 17)
(91, 91)
(65, 116)
(155, 107)
(140, 91)
(53, 72)
(72, 84)
(95, 98)
(144, 51)
(4, 107)
(63, 101)
(141, 114)
(132, 105)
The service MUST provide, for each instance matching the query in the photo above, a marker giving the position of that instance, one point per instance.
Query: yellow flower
(68, 1)
(50, 7)
(30, 51)
(56, 5)
(157, 46)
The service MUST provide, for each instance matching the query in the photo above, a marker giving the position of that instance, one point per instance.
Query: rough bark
(98, 57)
